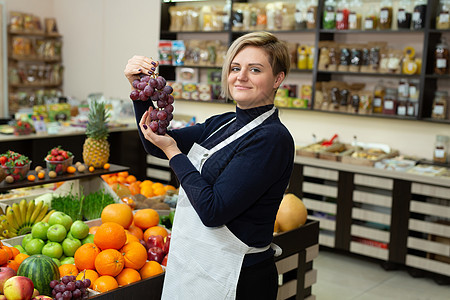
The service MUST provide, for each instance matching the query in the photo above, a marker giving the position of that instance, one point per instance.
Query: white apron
(205, 262)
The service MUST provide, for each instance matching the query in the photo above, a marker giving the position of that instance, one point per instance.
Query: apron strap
(275, 247)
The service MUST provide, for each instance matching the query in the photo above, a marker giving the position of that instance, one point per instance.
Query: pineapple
(96, 146)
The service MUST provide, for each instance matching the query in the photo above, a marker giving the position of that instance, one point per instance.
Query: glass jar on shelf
(311, 15)
(355, 15)
(371, 19)
(440, 153)
(441, 61)
(404, 14)
(329, 15)
(440, 104)
(378, 97)
(390, 102)
(443, 16)
(419, 14)
(386, 14)
(343, 10)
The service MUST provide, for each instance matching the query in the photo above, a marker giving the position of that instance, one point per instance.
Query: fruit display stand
(296, 275)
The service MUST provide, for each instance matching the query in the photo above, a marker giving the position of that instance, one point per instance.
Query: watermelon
(41, 269)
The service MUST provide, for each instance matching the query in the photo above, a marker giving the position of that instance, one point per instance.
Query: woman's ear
(278, 80)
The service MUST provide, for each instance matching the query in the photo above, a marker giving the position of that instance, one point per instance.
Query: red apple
(156, 254)
(42, 297)
(35, 293)
(143, 243)
(164, 261)
(167, 244)
(18, 288)
(3, 297)
(155, 241)
(5, 274)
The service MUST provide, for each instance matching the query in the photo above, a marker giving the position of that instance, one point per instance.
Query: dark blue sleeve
(261, 161)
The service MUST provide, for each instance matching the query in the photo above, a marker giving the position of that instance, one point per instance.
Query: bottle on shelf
(413, 98)
(342, 15)
(386, 14)
(441, 149)
(329, 15)
(390, 101)
(378, 97)
(441, 61)
(420, 10)
(443, 16)
(404, 14)
(371, 19)
(355, 15)
(311, 15)
(440, 104)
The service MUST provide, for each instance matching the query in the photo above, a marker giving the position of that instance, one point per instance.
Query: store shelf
(379, 31)
(369, 74)
(25, 183)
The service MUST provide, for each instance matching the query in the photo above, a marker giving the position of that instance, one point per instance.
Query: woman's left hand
(165, 142)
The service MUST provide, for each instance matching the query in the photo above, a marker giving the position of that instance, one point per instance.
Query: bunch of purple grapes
(154, 88)
(70, 288)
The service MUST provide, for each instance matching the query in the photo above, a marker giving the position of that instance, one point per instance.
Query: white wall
(101, 35)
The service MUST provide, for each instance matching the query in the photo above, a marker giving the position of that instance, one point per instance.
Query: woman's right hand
(137, 65)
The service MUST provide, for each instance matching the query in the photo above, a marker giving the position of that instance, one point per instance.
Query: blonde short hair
(277, 51)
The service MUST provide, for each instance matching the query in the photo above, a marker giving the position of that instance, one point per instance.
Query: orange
(85, 256)
(4, 256)
(105, 283)
(146, 218)
(90, 274)
(131, 178)
(150, 268)
(20, 257)
(119, 213)
(15, 251)
(147, 191)
(155, 230)
(128, 276)
(13, 265)
(123, 174)
(121, 179)
(106, 166)
(68, 269)
(146, 183)
(134, 188)
(109, 262)
(8, 251)
(110, 235)
(169, 187)
(91, 169)
(157, 185)
(71, 169)
(130, 238)
(159, 191)
(134, 254)
(41, 175)
(93, 229)
(31, 177)
(136, 231)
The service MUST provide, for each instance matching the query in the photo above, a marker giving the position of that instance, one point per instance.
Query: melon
(41, 269)
(291, 214)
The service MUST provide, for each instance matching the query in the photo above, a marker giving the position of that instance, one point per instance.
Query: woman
(233, 170)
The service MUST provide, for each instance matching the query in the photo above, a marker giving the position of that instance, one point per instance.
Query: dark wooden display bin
(298, 246)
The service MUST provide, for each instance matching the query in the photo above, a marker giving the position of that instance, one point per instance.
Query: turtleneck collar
(244, 116)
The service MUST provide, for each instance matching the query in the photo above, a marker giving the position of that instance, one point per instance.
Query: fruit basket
(17, 172)
(59, 167)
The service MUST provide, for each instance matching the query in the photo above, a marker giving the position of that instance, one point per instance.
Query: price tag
(441, 63)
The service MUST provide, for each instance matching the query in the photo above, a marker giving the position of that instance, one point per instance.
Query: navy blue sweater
(242, 184)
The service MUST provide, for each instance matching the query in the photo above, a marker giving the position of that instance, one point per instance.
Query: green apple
(61, 218)
(56, 233)
(68, 260)
(69, 236)
(26, 239)
(79, 229)
(53, 250)
(34, 246)
(20, 248)
(57, 261)
(88, 239)
(70, 246)
(39, 230)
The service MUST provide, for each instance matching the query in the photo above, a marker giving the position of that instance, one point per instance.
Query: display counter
(396, 217)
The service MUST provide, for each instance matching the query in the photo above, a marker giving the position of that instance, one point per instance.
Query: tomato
(64, 154)
(3, 160)
(60, 158)
(54, 152)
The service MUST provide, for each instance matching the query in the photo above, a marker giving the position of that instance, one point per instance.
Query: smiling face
(251, 82)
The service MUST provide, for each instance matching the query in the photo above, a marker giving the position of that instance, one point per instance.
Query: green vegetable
(94, 203)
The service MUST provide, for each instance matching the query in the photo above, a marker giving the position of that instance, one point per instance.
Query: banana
(17, 214)
(47, 216)
(30, 210)
(5, 233)
(42, 213)
(23, 209)
(10, 217)
(10, 229)
(36, 212)
(1, 211)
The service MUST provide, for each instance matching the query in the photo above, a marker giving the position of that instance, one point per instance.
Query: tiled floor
(345, 276)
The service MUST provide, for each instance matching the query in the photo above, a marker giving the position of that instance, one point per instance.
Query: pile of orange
(11, 257)
(117, 258)
(125, 184)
